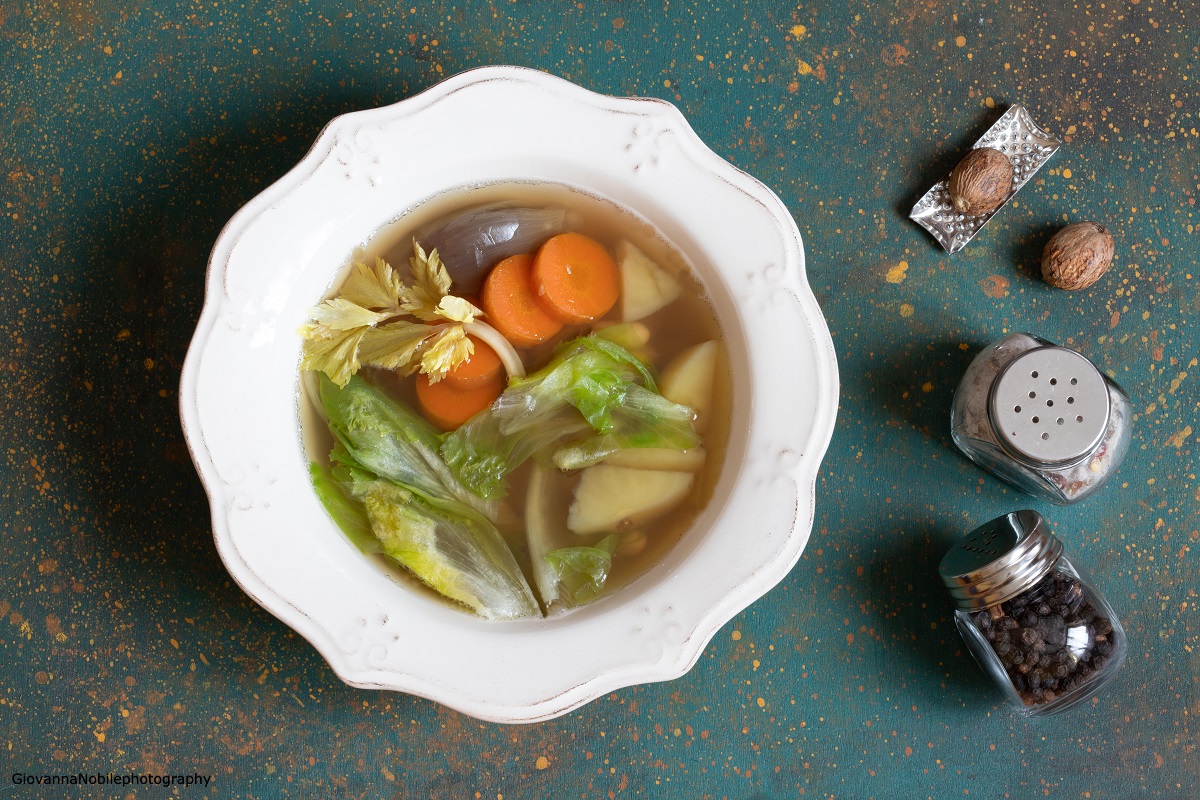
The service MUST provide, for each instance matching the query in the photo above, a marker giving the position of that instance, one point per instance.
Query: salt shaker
(1030, 616)
(1041, 417)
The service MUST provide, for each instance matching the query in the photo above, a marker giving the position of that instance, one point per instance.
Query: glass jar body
(973, 431)
(1051, 647)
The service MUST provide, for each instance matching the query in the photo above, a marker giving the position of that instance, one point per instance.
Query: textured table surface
(128, 136)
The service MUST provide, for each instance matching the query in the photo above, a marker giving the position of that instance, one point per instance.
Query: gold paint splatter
(48, 566)
(41, 677)
(961, 41)
(798, 31)
(927, 387)
(897, 273)
(1066, 173)
(995, 286)
(894, 54)
(906, 310)
(542, 762)
(736, 635)
(1180, 437)
(803, 68)
(761, 703)
(989, 102)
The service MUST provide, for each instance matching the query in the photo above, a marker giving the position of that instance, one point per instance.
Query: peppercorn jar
(1030, 616)
(1041, 417)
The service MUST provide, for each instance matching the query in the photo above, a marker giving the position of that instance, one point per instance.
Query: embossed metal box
(1027, 146)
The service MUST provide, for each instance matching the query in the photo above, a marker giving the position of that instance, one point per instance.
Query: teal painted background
(130, 132)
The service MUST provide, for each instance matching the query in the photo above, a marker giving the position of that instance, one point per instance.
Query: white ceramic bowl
(277, 257)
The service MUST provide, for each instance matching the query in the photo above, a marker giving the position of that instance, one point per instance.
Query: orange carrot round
(511, 306)
(575, 277)
(483, 367)
(448, 406)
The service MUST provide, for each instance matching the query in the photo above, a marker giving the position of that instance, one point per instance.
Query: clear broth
(687, 321)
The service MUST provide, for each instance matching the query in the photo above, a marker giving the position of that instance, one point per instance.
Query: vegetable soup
(516, 397)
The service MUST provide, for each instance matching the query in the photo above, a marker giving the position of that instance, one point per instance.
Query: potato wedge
(645, 286)
(617, 498)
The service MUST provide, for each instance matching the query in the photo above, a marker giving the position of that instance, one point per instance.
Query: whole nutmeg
(1077, 256)
(980, 183)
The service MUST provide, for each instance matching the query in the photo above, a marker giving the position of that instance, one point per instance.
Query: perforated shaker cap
(999, 560)
(1049, 406)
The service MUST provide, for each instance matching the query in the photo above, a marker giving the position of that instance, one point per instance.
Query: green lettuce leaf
(347, 513)
(454, 550)
(581, 572)
(591, 384)
(392, 441)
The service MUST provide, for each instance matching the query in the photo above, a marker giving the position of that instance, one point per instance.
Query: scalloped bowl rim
(637, 152)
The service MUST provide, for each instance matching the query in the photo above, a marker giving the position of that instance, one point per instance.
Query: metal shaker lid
(999, 560)
(1049, 406)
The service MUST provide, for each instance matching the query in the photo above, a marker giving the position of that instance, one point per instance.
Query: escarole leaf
(445, 543)
(642, 420)
(392, 441)
(454, 550)
(348, 514)
(581, 572)
(592, 384)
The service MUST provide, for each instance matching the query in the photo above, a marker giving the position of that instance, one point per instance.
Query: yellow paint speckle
(1180, 437)
(735, 635)
(897, 273)
(761, 703)
(798, 31)
(927, 387)
(906, 309)
(961, 41)
(1066, 173)
(803, 68)
(107, 50)
(542, 762)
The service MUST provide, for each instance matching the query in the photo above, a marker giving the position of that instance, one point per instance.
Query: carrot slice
(449, 406)
(483, 367)
(576, 278)
(511, 306)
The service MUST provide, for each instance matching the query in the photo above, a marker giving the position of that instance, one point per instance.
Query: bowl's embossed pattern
(650, 142)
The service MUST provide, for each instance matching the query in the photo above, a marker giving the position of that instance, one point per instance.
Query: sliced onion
(475, 240)
(503, 347)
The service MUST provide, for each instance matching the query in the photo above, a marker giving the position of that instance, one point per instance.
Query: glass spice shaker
(1041, 417)
(1030, 617)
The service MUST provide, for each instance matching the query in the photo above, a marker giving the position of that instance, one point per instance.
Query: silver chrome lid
(1049, 406)
(999, 560)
